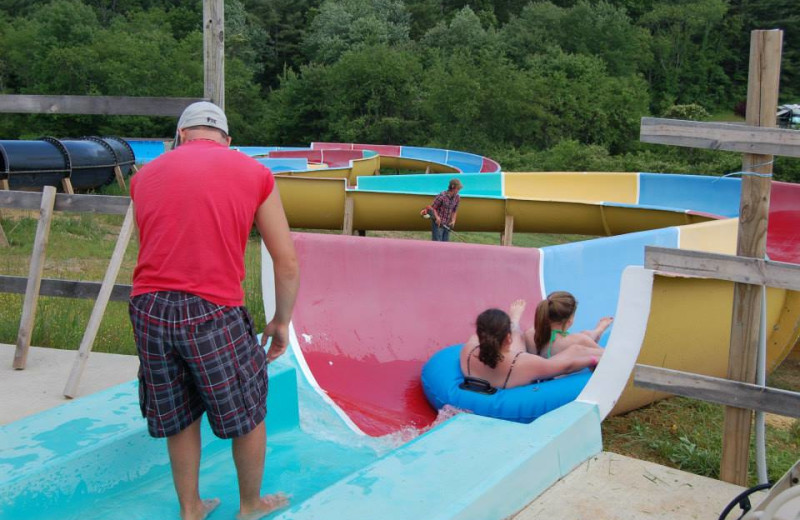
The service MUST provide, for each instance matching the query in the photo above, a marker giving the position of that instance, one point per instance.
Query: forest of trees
(537, 85)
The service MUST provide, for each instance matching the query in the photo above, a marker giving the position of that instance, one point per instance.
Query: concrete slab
(41, 385)
(615, 487)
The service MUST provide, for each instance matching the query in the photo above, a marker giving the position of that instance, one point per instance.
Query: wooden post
(214, 51)
(120, 178)
(100, 305)
(66, 185)
(3, 238)
(508, 234)
(762, 100)
(347, 227)
(34, 277)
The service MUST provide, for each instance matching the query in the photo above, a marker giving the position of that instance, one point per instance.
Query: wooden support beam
(103, 204)
(47, 198)
(718, 390)
(755, 271)
(64, 288)
(66, 185)
(3, 238)
(762, 98)
(732, 137)
(508, 234)
(4, 184)
(214, 51)
(349, 208)
(100, 304)
(120, 178)
(102, 105)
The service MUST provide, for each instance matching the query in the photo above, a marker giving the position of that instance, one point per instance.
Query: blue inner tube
(441, 377)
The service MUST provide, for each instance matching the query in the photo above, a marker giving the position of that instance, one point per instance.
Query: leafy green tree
(598, 29)
(296, 111)
(342, 25)
(689, 50)
(769, 14)
(285, 23)
(464, 33)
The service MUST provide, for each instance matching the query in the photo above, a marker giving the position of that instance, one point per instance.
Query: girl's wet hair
(557, 307)
(492, 327)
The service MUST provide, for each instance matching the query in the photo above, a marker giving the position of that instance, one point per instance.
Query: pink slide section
(783, 235)
(371, 311)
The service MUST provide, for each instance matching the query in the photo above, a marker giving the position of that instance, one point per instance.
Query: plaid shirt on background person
(445, 206)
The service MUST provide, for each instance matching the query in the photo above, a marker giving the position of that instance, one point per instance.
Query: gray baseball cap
(203, 113)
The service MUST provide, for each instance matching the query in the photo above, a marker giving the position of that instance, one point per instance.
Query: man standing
(195, 207)
(443, 211)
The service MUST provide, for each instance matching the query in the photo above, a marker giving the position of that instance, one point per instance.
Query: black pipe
(88, 162)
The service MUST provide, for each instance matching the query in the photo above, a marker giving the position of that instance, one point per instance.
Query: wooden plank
(66, 185)
(733, 137)
(754, 271)
(103, 204)
(762, 98)
(508, 233)
(103, 105)
(64, 288)
(718, 390)
(100, 304)
(47, 198)
(120, 178)
(214, 51)
(3, 237)
(347, 226)
(4, 184)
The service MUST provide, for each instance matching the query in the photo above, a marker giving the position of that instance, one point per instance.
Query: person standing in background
(198, 352)
(443, 211)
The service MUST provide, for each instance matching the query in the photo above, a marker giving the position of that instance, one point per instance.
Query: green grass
(687, 434)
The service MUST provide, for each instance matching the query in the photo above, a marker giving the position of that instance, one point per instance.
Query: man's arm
(274, 229)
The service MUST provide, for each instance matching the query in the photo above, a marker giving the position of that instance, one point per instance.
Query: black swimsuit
(509, 368)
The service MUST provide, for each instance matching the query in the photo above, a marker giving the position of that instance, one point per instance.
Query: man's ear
(229, 140)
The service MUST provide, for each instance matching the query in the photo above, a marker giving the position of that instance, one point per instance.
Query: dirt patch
(779, 422)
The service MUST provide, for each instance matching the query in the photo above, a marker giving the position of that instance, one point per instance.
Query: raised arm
(274, 229)
(574, 358)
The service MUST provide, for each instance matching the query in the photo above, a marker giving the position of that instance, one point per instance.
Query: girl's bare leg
(601, 327)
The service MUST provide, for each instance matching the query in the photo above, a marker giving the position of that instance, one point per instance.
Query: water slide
(346, 410)
(88, 162)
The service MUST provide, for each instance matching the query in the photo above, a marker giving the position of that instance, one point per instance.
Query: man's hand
(438, 221)
(280, 340)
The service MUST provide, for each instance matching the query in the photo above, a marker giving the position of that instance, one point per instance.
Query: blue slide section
(466, 162)
(146, 151)
(475, 184)
(715, 195)
(425, 154)
(592, 270)
(284, 164)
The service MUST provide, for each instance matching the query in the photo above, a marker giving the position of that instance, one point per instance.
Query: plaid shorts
(196, 356)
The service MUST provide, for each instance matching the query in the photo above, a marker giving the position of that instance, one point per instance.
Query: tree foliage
(542, 84)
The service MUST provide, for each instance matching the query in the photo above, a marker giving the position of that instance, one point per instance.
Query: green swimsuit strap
(553, 335)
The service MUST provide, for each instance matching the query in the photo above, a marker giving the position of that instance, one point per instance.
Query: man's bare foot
(209, 505)
(516, 310)
(266, 505)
